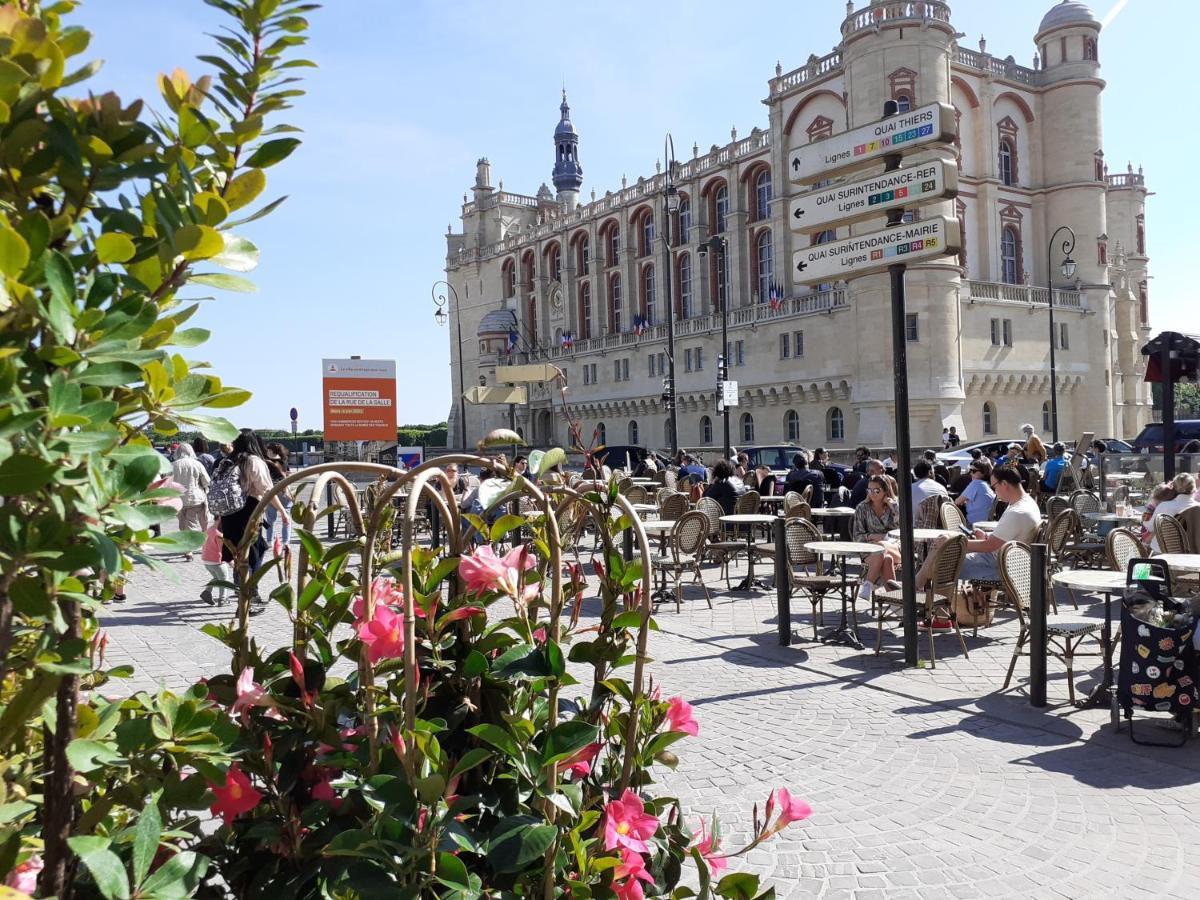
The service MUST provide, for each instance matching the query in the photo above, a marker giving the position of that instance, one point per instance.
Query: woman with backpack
(238, 483)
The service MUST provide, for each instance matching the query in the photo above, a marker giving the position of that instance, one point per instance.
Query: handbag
(971, 608)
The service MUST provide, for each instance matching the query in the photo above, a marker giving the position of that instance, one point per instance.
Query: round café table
(986, 527)
(775, 500)
(1097, 581)
(845, 633)
(644, 509)
(834, 512)
(924, 535)
(749, 520)
(1106, 522)
(1184, 562)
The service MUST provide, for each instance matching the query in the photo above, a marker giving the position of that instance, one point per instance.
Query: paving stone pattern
(924, 782)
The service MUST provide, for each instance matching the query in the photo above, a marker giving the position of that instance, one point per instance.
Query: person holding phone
(977, 499)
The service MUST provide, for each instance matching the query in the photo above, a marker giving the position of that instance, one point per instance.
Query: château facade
(581, 285)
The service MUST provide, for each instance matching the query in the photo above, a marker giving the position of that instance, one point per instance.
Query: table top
(925, 534)
(658, 525)
(771, 498)
(1187, 562)
(843, 548)
(833, 511)
(1111, 517)
(644, 507)
(986, 526)
(644, 481)
(1124, 476)
(1093, 579)
(748, 519)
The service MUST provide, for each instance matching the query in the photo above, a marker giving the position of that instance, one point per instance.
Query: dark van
(1151, 438)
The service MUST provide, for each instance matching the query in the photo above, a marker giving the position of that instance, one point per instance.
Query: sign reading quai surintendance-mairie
(874, 252)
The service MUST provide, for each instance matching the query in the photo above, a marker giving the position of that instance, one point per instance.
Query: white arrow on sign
(875, 251)
(858, 147)
(854, 201)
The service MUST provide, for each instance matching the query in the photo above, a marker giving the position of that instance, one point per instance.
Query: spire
(568, 173)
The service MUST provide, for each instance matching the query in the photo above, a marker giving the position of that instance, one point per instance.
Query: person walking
(191, 476)
(277, 465)
(206, 459)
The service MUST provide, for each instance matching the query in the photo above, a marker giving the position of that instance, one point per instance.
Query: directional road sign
(858, 147)
(876, 251)
(532, 372)
(853, 201)
(482, 394)
(729, 393)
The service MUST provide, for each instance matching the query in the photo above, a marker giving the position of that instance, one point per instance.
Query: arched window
(1089, 48)
(825, 237)
(614, 305)
(1009, 267)
(1140, 239)
(585, 311)
(633, 433)
(685, 286)
(601, 434)
(556, 263)
(989, 419)
(583, 256)
(764, 253)
(509, 279)
(685, 220)
(705, 430)
(648, 296)
(720, 209)
(613, 237)
(762, 195)
(1046, 423)
(835, 425)
(791, 425)
(747, 428)
(903, 103)
(1007, 170)
(647, 234)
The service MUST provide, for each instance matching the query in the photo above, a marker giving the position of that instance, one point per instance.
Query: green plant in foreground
(106, 214)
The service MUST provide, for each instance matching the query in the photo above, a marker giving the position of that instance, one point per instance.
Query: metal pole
(668, 278)
(329, 506)
(1037, 625)
(783, 582)
(1068, 246)
(440, 301)
(903, 438)
(723, 279)
(1168, 416)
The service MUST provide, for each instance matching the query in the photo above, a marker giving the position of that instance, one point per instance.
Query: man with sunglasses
(1020, 522)
(977, 497)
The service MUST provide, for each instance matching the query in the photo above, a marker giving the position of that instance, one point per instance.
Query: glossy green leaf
(145, 838)
(86, 755)
(518, 841)
(14, 252)
(245, 188)
(272, 152)
(568, 738)
(114, 247)
(106, 870)
(198, 242)
(179, 877)
(190, 337)
(239, 255)
(61, 278)
(224, 282)
(470, 760)
(22, 474)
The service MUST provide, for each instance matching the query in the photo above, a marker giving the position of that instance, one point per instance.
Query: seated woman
(761, 480)
(873, 519)
(721, 489)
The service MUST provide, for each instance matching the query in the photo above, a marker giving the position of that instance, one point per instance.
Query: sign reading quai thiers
(863, 198)
(874, 252)
(858, 147)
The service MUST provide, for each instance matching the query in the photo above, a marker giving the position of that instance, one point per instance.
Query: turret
(568, 173)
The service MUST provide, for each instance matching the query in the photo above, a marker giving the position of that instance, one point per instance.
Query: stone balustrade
(1022, 293)
(904, 10)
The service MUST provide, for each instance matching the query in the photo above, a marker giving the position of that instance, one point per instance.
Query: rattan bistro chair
(673, 506)
(1121, 546)
(1056, 505)
(1064, 633)
(939, 596)
(1172, 537)
(717, 548)
(684, 552)
(805, 567)
(952, 517)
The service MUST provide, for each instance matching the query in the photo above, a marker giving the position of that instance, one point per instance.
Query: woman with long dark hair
(250, 458)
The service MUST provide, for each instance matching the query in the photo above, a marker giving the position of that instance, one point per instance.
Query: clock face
(556, 299)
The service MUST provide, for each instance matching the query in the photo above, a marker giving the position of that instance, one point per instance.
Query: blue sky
(411, 92)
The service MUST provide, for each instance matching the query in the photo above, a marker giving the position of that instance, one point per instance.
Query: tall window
(720, 209)
(791, 424)
(903, 103)
(648, 301)
(765, 254)
(556, 264)
(1140, 224)
(747, 428)
(705, 430)
(1046, 423)
(685, 219)
(601, 434)
(762, 195)
(614, 305)
(614, 245)
(1007, 171)
(989, 419)
(1009, 270)
(647, 234)
(685, 286)
(633, 433)
(836, 425)
(583, 256)
(825, 237)
(510, 279)
(585, 311)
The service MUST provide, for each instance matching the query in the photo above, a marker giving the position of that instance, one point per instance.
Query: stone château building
(581, 285)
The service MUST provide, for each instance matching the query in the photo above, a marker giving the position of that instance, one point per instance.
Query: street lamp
(718, 245)
(440, 316)
(1068, 270)
(670, 208)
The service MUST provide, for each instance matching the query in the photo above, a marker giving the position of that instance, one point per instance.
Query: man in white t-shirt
(1020, 522)
(924, 485)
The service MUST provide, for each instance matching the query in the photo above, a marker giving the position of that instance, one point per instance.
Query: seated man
(940, 473)
(1054, 468)
(801, 475)
(693, 470)
(924, 485)
(1020, 522)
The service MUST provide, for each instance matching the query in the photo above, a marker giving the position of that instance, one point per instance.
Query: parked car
(627, 456)
(961, 455)
(1116, 445)
(1151, 438)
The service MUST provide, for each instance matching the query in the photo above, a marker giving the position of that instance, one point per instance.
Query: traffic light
(722, 369)
(668, 393)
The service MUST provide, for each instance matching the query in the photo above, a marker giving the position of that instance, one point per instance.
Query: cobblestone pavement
(924, 782)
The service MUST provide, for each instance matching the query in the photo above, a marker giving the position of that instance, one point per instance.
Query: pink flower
(484, 572)
(251, 694)
(463, 612)
(397, 742)
(24, 877)
(580, 764)
(709, 845)
(679, 717)
(626, 875)
(791, 810)
(382, 635)
(387, 592)
(236, 797)
(626, 824)
(323, 790)
(539, 634)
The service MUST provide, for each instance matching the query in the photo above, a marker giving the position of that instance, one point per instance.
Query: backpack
(225, 495)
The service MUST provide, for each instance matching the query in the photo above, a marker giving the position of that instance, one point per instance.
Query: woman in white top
(1185, 487)
(249, 456)
(192, 478)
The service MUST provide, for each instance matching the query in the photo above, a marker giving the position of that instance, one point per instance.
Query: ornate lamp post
(1068, 270)
(670, 208)
(717, 244)
(440, 316)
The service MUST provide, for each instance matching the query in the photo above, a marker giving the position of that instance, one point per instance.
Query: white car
(961, 455)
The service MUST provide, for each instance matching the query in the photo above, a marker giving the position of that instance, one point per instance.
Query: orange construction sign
(359, 399)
